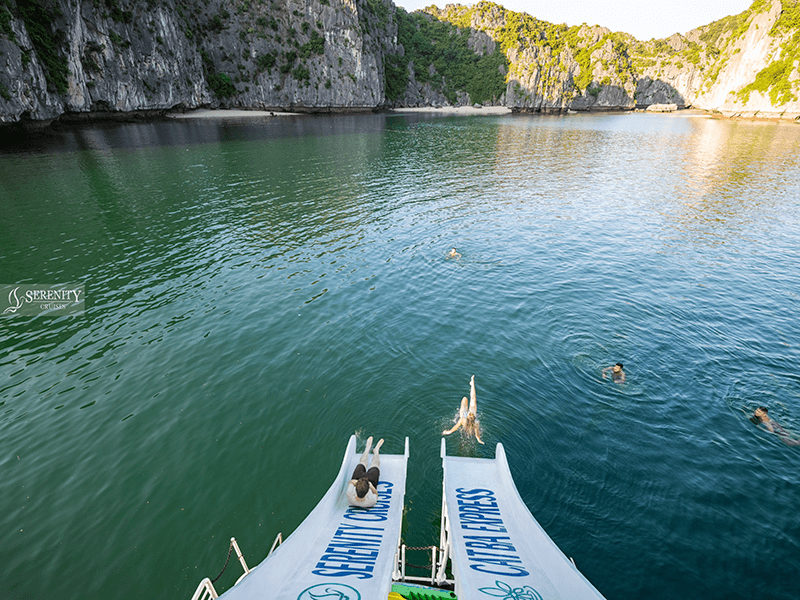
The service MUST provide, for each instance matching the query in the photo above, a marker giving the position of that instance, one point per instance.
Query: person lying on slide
(362, 490)
(467, 416)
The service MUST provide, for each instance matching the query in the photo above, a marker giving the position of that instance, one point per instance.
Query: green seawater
(258, 290)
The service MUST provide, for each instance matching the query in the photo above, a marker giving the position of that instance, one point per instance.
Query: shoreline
(239, 113)
(454, 110)
(227, 113)
(231, 113)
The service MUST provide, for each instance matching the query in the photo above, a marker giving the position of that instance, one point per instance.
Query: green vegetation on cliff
(47, 41)
(220, 83)
(776, 78)
(292, 39)
(440, 55)
(611, 52)
(369, 53)
(513, 31)
(5, 20)
(556, 61)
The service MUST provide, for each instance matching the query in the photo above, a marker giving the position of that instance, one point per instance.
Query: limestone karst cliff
(68, 58)
(745, 64)
(78, 56)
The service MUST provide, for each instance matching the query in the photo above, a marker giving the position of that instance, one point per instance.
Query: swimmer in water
(760, 417)
(467, 416)
(617, 374)
(453, 254)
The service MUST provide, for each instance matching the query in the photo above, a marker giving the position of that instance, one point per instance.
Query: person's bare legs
(365, 456)
(462, 413)
(376, 459)
(473, 397)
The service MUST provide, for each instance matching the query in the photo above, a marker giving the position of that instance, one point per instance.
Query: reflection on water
(259, 289)
(725, 165)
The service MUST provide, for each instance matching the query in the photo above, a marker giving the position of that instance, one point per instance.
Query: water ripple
(258, 291)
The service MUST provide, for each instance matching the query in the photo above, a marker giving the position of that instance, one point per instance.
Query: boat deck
(489, 539)
(338, 551)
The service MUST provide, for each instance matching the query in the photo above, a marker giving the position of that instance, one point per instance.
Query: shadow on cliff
(657, 91)
(599, 98)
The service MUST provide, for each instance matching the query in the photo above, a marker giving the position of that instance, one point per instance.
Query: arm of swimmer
(457, 425)
(478, 431)
(785, 436)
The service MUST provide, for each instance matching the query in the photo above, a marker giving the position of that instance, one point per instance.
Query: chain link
(408, 564)
(230, 549)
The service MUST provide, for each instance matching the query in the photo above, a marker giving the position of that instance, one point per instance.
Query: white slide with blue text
(338, 551)
(498, 550)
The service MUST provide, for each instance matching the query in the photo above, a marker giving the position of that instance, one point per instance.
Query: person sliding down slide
(363, 487)
(468, 416)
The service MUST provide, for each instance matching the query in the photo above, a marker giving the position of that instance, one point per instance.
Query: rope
(230, 549)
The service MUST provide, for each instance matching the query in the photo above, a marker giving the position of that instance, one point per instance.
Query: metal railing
(440, 556)
(444, 541)
(278, 541)
(241, 560)
(206, 591)
(399, 573)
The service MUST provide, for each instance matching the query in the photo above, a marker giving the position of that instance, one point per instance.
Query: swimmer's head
(617, 367)
(362, 487)
(760, 414)
(471, 427)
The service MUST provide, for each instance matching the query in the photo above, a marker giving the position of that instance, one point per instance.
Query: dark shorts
(372, 474)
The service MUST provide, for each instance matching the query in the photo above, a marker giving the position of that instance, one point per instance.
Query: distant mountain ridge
(79, 58)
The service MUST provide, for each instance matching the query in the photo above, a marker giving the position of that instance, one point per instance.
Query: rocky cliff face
(78, 57)
(744, 64)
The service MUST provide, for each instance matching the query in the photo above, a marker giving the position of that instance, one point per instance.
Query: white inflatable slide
(497, 549)
(338, 551)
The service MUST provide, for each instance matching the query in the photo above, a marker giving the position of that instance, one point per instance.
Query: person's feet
(369, 445)
(378, 445)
